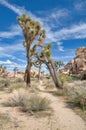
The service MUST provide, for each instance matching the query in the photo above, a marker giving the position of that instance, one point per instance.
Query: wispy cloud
(55, 17)
(13, 31)
(7, 62)
(80, 5)
(18, 10)
(60, 47)
(73, 32)
(10, 65)
(10, 51)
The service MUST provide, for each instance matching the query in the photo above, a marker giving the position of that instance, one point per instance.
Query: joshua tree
(15, 70)
(45, 57)
(58, 64)
(31, 31)
(4, 69)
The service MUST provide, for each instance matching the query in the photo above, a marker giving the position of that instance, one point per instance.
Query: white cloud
(60, 47)
(7, 62)
(73, 32)
(14, 30)
(80, 5)
(18, 10)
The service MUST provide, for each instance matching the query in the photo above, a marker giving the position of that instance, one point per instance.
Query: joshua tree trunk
(39, 74)
(54, 75)
(28, 80)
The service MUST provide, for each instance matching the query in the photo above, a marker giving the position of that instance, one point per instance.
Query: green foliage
(49, 45)
(63, 80)
(24, 44)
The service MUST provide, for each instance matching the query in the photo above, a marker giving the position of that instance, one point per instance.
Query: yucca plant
(31, 30)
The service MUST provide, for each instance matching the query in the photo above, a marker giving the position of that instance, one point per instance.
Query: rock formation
(78, 64)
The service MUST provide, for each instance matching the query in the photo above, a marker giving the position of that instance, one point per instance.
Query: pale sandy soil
(62, 118)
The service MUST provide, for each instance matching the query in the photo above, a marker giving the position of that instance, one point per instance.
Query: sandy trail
(63, 118)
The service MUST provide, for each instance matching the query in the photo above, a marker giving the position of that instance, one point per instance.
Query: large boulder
(78, 64)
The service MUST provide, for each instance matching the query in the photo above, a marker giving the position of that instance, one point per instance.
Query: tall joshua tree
(31, 30)
(45, 57)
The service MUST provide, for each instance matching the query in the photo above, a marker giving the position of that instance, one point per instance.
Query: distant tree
(58, 64)
(4, 69)
(38, 65)
(15, 70)
(0, 67)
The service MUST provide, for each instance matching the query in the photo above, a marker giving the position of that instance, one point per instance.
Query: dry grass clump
(19, 80)
(4, 83)
(36, 103)
(17, 98)
(76, 94)
(27, 101)
(16, 86)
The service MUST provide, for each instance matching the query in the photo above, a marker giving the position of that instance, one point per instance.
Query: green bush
(63, 80)
(4, 83)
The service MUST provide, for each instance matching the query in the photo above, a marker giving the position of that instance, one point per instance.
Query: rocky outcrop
(34, 73)
(78, 64)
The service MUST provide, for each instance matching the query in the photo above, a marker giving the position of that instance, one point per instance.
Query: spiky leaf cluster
(46, 51)
(30, 28)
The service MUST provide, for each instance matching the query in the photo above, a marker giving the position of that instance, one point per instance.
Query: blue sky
(63, 20)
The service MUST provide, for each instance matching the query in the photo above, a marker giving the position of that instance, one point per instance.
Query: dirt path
(63, 116)
(62, 119)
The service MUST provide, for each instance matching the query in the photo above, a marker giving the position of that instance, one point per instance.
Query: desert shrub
(68, 78)
(18, 98)
(76, 94)
(83, 76)
(4, 83)
(75, 77)
(16, 86)
(19, 80)
(27, 102)
(62, 79)
(48, 77)
(79, 101)
(36, 104)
